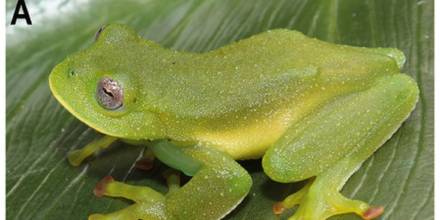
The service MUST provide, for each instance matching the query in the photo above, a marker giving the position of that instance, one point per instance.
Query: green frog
(311, 110)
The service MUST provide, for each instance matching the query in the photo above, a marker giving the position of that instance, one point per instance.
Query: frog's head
(98, 87)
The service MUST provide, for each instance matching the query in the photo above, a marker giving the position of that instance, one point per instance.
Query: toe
(101, 186)
(373, 212)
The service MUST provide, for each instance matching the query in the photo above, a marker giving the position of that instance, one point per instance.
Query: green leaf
(42, 185)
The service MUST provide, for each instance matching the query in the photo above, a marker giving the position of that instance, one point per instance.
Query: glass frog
(310, 109)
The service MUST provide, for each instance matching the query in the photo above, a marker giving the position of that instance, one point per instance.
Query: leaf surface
(40, 184)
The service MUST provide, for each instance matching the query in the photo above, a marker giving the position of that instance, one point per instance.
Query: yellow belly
(248, 142)
(251, 139)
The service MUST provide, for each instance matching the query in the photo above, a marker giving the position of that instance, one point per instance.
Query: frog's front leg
(76, 157)
(333, 142)
(218, 184)
(149, 204)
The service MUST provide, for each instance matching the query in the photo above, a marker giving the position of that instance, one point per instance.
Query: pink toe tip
(373, 212)
(144, 164)
(278, 208)
(101, 185)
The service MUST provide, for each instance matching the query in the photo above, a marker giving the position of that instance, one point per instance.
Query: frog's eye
(98, 32)
(109, 94)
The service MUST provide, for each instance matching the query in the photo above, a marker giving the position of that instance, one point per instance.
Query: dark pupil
(109, 94)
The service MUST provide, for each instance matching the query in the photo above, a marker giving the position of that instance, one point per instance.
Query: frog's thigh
(334, 141)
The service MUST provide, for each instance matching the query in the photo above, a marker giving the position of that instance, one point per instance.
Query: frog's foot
(320, 199)
(292, 200)
(218, 185)
(149, 204)
(317, 201)
(76, 157)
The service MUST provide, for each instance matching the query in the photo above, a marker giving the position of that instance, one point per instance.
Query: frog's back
(246, 74)
(273, 66)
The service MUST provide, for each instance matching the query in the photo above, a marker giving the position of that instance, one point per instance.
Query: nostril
(71, 72)
(99, 32)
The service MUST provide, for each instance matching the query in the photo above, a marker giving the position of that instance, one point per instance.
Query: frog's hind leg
(333, 142)
(218, 184)
(76, 157)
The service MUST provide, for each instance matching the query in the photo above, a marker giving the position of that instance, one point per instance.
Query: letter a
(25, 15)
